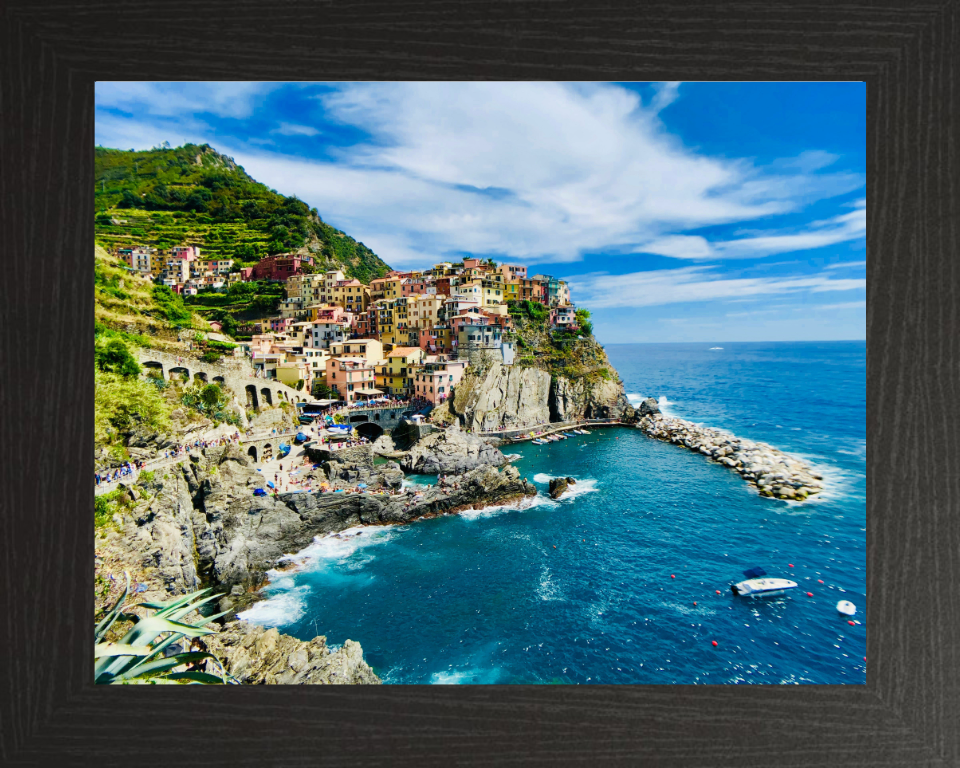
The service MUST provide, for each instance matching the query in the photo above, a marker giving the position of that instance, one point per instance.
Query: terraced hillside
(193, 195)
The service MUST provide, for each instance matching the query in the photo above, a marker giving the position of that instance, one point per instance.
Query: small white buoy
(846, 608)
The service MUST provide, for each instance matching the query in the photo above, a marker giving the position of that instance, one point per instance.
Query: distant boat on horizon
(716, 348)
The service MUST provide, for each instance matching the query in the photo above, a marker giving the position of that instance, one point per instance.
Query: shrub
(114, 357)
(210, 356)
(122, 402)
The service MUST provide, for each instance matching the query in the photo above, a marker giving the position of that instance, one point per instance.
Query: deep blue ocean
(618, 583)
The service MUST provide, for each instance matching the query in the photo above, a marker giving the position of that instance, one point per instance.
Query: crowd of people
(127, 469)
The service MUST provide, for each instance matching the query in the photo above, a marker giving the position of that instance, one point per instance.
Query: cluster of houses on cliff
(407, 334)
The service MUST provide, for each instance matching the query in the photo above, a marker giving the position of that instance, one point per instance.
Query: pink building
(434, 381)
(185, 253)
(280, 324)
(351, 378)
(513, 272)
(563, 317)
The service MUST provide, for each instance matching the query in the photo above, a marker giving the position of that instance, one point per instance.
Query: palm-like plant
(136, 657)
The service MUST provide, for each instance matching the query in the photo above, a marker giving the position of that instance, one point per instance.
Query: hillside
(193, 195)
(132, 307)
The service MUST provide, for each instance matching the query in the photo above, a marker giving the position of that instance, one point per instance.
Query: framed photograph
(527, 404)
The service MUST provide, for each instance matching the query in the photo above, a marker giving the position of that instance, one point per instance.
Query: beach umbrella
(361, 485)
(270, 485)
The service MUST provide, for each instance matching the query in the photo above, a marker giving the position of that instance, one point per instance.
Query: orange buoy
(820, 580)
(714, 643)
(694, 603)
(790, 565)
(850, 623)
(672, 576)
(718, 591)
(554, 546)
(809, 594)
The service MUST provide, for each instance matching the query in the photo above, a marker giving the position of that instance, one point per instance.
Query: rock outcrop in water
(559, 485)
(773, 472)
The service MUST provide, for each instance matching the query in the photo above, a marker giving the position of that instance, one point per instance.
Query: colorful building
(434, 380)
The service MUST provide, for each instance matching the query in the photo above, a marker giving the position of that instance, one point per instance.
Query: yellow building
(395, 374)
(423, 310)
(369, 349)
(511, 290)
(352, 295)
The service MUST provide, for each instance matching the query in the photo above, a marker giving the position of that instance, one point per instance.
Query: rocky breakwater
(773, 472)
(451, 451)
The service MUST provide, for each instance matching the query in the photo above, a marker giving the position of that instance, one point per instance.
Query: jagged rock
(258, 656)
(450, 452)
(558, 485)
(649, 407)
(384, 444)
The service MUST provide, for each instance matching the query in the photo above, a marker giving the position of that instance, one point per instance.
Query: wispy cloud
(846, 264)
(694, 284)
(228, 99)
(580, 168)
(289, 129)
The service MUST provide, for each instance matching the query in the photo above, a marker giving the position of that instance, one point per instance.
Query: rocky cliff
(517, 397)
(450, 452)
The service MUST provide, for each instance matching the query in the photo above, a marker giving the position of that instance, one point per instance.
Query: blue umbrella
(361, 485)
(270, 485)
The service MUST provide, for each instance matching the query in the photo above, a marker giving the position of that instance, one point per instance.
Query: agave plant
(137, 656)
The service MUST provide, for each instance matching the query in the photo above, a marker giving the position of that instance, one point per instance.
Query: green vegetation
(193, 195)
(140, 655)
(112, 356)
(241, 301)
(210, 400)
(583, 321)
(122, 403)
(129, 307)
(526, 309)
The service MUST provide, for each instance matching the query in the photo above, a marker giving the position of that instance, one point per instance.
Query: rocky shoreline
(770, 470)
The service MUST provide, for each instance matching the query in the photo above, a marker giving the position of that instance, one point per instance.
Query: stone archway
(252, 451)
(369, 430)
(155, 368)
(220, 380)
(267, 452)
(200, 376)
(252, 400)
(180, 372)
(358, 418)
(267, 395)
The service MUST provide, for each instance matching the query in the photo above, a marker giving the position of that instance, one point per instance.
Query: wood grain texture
(909, 712)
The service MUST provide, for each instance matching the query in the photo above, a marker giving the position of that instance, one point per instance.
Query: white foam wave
(514, 506)
(464, 677)
(633, 398)
(547, 590)
(665, 406)
(340, 546)
(277, 610)
(581, 487)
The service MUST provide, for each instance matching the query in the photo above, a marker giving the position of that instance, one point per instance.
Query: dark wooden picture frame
(908, 713)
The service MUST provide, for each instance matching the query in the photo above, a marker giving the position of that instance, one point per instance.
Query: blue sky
(677, 211)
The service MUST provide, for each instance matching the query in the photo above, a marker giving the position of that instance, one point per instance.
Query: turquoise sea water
(617, 583)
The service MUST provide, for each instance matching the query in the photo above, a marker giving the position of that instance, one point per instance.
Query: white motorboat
(846, 608)
(755, 586)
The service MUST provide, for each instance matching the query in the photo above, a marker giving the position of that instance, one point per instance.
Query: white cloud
(693, 284)
(536, 172)
(226, 99)
(532, 171)
(845, 264)
(845, 305)
(289, 129)
(665, 95)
